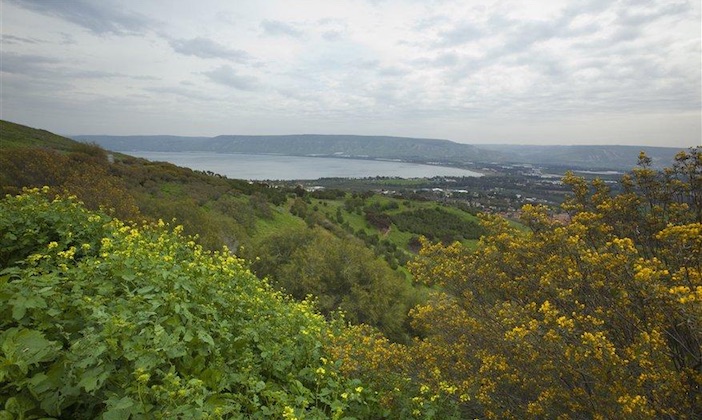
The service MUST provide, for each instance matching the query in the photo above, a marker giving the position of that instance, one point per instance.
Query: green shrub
(105, 319)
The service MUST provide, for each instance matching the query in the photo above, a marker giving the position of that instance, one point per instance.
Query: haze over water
(276, 167)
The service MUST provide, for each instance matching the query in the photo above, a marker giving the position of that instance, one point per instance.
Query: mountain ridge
(392, 147)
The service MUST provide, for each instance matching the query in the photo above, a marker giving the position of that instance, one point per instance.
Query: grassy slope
(398, 237)
(219, 211)
(16, 135)
(282, 219)
(157, 184)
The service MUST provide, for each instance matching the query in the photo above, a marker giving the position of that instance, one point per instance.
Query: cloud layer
(585, 71)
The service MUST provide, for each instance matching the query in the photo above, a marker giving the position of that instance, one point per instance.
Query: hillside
(379, 147)
(252, 219)
(595, 315)
(402, 148)
(15, 135)
(593, 157)
(106, 320)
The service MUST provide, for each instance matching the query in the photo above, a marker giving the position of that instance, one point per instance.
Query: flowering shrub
(599, 317)
(101, 318)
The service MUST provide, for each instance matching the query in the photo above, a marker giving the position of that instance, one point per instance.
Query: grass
(15, 135)
(399, 238)
(282, 219)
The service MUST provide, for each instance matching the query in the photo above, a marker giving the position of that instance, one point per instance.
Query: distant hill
(592, 157)
(377, 147)
(385, 147)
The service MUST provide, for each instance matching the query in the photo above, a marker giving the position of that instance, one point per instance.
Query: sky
(609, 72)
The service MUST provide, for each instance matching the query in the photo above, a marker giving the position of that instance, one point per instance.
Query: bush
(106, 319)
(437, 224)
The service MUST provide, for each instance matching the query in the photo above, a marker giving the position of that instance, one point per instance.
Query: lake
(277, 167)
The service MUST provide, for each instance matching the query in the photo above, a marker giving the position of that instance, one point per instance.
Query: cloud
(41, 67)
(278, 28)
(642, 15)
(227, 76)
(180, 91)
(332, 35)
(442, 60)
(98, 17)
(8, 39)
(207, 48)
(460, 34)
(443, 67)
(392, 71)
(25, 64)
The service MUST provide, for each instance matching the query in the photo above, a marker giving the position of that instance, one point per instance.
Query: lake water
(276, 167)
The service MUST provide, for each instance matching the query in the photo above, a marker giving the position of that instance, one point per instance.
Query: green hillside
(110, 312)
(106, 320)
(246, 217)
(15, 135)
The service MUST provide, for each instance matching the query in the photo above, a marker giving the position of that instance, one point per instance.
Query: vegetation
(81, 169)
(15, 135)
(437, 224)
(108, 319)
(599, 317)
(217, 211)
(340, 274)
(595, 315)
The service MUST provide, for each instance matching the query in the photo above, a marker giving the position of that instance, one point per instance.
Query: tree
(597, 317)
(340, 274)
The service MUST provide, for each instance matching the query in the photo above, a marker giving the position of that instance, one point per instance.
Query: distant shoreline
(258, 166)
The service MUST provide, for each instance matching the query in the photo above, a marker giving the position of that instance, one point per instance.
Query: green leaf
(202, 335)
(93, 378)
(144, 290)
(18, 312)
(127, 274)
(23, 347)
(19, 405)
(40, 383)
(21, 303)
(118, 409)
(260, 386)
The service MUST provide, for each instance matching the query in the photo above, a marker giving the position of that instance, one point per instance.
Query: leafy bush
(106, 319)
(598, 317)
(381, 221)
(339, 273)
(83, 172)
(437, 224)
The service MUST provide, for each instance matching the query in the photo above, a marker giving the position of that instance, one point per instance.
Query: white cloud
(207, 48)
(493, 71)
(227, 76)
(276, 27)
(99, 17)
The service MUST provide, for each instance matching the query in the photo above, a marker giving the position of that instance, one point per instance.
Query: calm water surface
(274, 167)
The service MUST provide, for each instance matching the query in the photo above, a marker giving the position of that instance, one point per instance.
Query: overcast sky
(521, 72)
